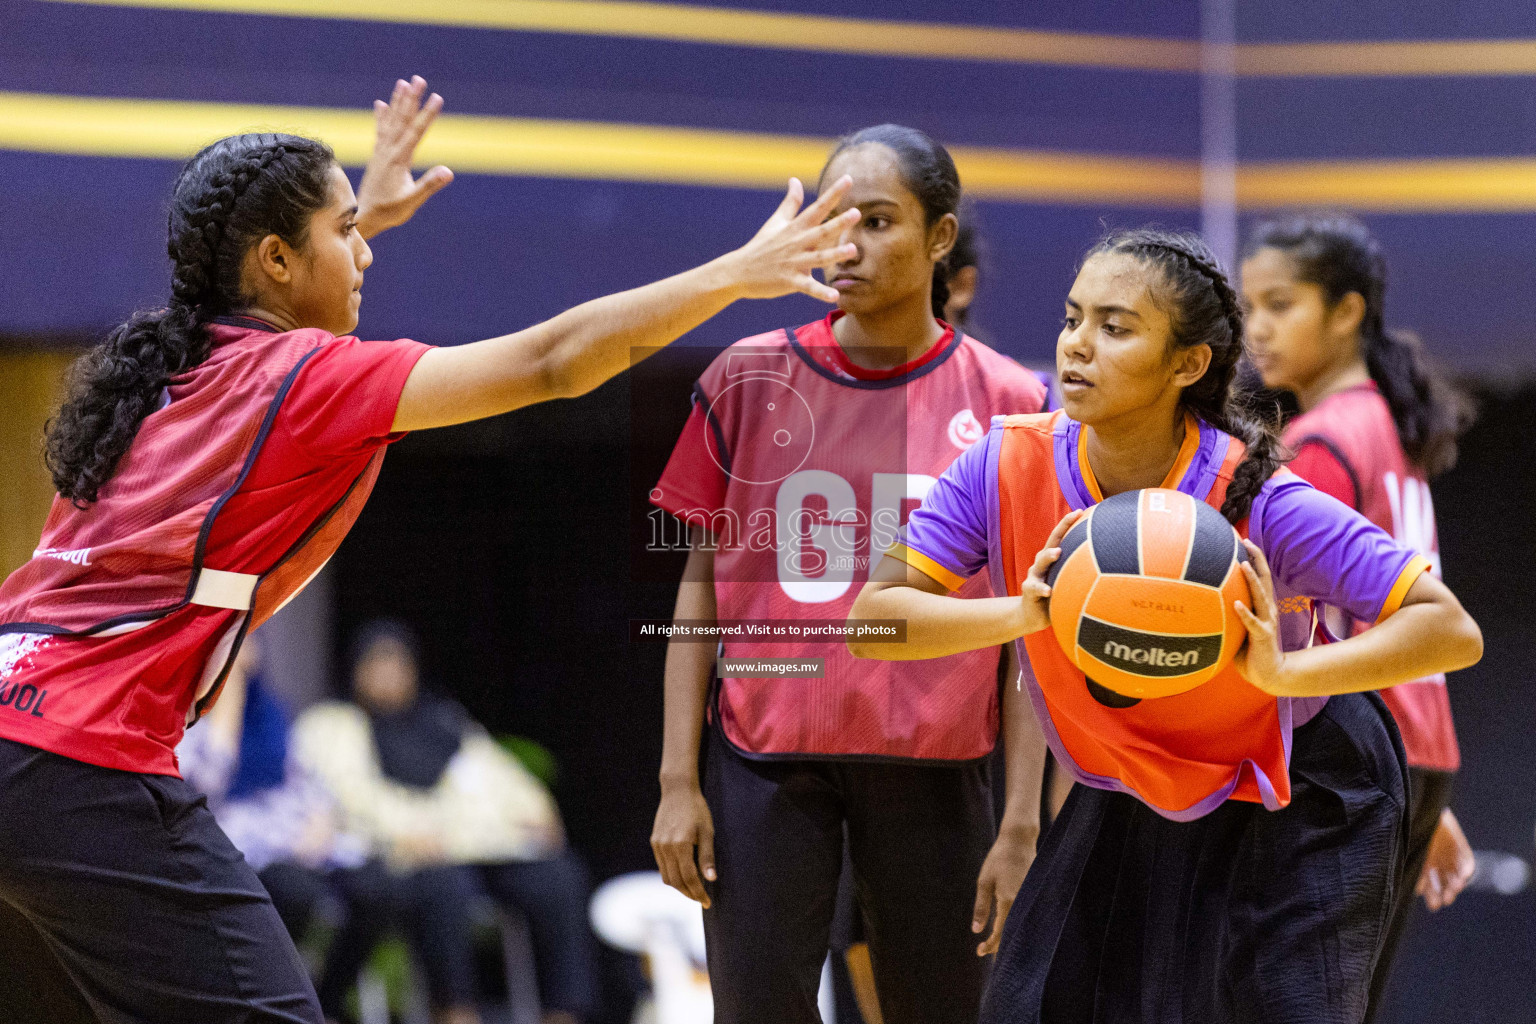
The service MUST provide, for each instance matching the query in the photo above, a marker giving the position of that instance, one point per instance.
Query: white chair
(639, 913)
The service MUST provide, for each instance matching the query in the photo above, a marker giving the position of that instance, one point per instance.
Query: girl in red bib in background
(1376, 424)
(209, 458)
(1230, 853)
(806, 445)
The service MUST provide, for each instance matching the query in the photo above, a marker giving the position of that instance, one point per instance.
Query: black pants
(552, 895)
(917, 835)
(1429, 793)
(1243, 916)
(433, 909)
(430, 907)
(296, 891)
(33, 984)
(141, 898)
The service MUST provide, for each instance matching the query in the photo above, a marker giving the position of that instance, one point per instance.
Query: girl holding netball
(209, 457)
(1376, 424)
(806, 447)
(1230, 853)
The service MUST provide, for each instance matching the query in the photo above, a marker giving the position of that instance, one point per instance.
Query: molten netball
(1142, 594)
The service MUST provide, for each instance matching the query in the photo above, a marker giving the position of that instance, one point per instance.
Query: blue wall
(84, 238)
(82, 243)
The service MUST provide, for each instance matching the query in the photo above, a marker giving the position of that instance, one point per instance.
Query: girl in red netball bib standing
(1230, 853)
(209, 458)
(1376, 424)
(805, 448)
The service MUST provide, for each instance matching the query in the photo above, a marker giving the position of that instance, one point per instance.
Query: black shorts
(140, 898)
(1244, 915)
(917, 835)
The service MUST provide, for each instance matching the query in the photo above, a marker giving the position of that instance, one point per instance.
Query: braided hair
(1340, 255)
(1204, 310)
(929, 173)
(229, 196)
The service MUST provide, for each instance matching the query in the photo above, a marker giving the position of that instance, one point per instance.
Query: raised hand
(389, 195)
(791, 243)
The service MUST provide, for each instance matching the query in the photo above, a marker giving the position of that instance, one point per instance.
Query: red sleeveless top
(197, 539)
(809, 466)
(1354, 430)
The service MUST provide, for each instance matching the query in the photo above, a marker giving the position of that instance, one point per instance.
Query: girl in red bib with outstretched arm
(1230, 853)
(209, 458)
(1376, 424)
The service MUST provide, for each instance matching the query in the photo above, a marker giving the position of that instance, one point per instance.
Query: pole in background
(1218, 128)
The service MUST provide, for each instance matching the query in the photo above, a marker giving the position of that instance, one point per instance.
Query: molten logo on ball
(1156, 656)
(1142, 595)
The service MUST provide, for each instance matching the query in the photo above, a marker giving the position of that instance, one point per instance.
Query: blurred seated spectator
(447, 812)
(285, 823)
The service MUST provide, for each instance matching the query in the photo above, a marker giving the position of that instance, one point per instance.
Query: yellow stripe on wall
(1406, 186)
(824, 34)
(173, 130)
(759, 29)
(96, 126)
(1464, 57)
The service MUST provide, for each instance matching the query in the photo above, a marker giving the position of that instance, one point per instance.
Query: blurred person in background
(448, 815)
(284, 822)
(963, 269)
(1377, 423)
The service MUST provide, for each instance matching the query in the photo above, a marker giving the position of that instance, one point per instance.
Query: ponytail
(1340, 255)
(109, 392)
(1205, 311)
(1430, 413)
(233, 193)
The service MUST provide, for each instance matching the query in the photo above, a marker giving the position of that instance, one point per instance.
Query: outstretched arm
(939, 624)
(585, 346)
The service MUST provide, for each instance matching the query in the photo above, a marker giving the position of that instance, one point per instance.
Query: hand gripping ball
(1141, 597)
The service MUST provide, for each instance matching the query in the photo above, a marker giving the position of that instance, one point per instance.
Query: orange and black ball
(1142, 594)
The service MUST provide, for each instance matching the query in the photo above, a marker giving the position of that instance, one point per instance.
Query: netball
(1142, 594)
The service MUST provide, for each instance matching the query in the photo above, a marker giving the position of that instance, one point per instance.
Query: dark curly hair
(1204, 310)
(928, 171)
(229, 196)
(1340, 255)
